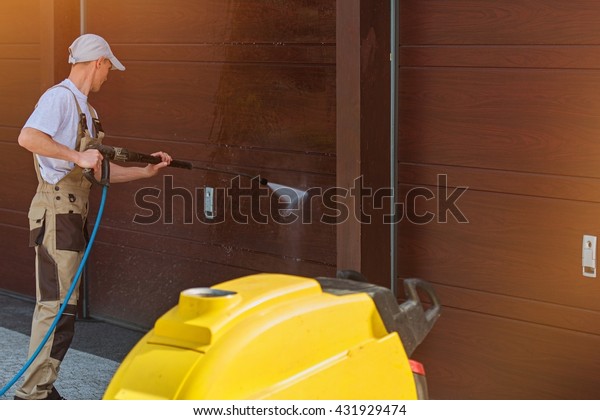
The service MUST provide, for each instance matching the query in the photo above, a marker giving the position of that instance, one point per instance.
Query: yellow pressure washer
(275, 336)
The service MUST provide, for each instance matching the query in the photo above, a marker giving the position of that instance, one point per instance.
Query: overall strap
(97, 125)
(82, 132)
(82, 129)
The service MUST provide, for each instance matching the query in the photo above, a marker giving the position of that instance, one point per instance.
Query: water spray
(291, 196)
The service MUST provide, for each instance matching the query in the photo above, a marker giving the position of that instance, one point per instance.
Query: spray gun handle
(105, 177)
(107, 154)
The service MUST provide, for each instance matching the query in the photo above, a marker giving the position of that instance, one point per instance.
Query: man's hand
(154, 169)
(90, 158)
(131, 173)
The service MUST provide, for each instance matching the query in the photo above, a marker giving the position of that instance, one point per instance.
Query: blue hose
(67, 297)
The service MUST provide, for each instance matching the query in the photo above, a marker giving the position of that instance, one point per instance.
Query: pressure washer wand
(121, 154)
(261, 180)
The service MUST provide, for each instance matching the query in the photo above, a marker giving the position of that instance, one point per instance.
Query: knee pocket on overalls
(68, 229)
(69, 232)
(69, 219)
(47, 276)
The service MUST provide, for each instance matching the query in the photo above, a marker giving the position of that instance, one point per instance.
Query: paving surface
(97, 350)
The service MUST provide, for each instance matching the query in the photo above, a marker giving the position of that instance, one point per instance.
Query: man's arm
(132, 173)
(42, 144)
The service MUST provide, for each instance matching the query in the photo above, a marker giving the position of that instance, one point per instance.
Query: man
(58, 133)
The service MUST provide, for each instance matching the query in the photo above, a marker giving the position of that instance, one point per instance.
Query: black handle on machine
(120, 154)
(413, 321)
(409, 319)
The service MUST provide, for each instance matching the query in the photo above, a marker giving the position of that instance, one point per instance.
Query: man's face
(101, 74)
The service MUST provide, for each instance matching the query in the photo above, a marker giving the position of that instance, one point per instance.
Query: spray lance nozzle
(121, 154)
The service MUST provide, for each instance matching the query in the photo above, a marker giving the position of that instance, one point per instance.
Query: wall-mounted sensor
(588, 253)
(209, 203)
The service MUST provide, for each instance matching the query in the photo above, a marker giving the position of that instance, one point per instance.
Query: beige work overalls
(56, 218)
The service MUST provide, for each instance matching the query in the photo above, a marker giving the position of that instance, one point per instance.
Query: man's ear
(98, 62)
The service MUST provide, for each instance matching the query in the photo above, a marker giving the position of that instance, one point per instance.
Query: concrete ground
(97, 350)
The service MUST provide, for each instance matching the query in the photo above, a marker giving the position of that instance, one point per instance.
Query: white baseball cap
(90, 47)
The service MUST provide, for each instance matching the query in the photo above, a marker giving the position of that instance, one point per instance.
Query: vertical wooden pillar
(363, 149)
(60, 25)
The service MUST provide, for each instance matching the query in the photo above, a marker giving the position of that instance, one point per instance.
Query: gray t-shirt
(56, 115)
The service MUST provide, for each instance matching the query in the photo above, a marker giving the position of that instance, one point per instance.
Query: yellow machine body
(267, 336)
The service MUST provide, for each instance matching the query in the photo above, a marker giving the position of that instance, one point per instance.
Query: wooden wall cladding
(508, 359)
(245, 86)
(507, 22)
(16, 23)
(500, 97)
(19, 89)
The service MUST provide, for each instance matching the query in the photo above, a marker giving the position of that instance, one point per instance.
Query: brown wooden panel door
(252, 22)
(512, 246)
(17, 22)
(244, 86)
(500, 98)
(506, 22)
(233, 106)
(20, 70)
(475, 356)
(541, 121)
(18, 90)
